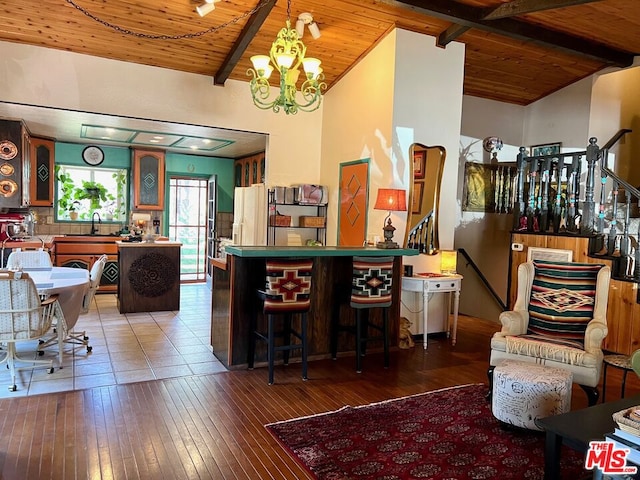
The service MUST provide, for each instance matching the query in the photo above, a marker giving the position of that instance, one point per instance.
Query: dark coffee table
(576, 429)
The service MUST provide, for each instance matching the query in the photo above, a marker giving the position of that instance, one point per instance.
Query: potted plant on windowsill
(73, 213)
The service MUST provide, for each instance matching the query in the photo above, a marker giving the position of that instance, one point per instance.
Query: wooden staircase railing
(547, 199)
(421, 237)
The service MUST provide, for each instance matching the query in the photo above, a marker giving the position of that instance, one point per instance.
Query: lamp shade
(391, 199)
(448, 261)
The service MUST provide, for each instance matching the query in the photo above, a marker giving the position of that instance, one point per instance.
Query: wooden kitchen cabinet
(250, 170)
(82, 252)
(41, 165)
(148, 180)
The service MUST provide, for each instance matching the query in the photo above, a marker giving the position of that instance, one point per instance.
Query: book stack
(627, 433)
(624, 439)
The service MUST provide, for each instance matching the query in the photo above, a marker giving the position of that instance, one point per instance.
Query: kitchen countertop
(31, 242)
(157, 243)
(303, 251)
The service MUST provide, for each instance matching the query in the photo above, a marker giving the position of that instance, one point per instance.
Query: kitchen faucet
(94, 229)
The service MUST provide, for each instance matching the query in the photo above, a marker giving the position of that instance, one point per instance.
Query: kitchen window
(82, 191)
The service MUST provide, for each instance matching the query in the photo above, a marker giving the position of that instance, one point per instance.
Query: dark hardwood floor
(212, 426)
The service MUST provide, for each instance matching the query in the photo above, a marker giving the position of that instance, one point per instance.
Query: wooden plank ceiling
(529, 50)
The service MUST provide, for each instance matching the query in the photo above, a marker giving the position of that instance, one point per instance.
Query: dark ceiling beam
(509, 9)
(471, 17)
(450, 34)
(520, 7)
(242, 42)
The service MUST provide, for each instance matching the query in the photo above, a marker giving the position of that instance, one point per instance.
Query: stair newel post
(557, 208)
(613, 225)
(624, 269)
(603, 201)
(532, 215)
(544, 204)
(518, 204)
(573, 193)
(588, 212)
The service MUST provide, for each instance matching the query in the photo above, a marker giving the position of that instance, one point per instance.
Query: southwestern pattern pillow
(562, 299)
(372, 280)
(288, 285)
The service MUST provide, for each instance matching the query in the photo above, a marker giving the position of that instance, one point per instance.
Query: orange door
(354, 188)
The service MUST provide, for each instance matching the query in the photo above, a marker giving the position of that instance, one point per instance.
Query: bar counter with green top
(235, 301)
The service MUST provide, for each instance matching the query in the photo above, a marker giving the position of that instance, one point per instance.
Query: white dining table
(71, 285)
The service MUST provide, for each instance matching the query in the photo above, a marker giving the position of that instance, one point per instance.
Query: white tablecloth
(70, 284)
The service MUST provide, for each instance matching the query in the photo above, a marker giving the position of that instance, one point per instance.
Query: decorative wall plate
(8, 150)
(6, 169)
(8, 188)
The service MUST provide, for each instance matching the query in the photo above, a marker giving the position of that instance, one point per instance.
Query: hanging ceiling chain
(168, 37)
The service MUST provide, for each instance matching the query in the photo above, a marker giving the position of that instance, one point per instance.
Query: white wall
(428, 110)
(358, 115)
(378, 112)
(562, 117)
(616, 105)
(55, 78)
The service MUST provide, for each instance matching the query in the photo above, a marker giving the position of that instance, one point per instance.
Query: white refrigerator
(250, 215)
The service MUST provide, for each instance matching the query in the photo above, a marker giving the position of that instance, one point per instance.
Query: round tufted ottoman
(523, 392)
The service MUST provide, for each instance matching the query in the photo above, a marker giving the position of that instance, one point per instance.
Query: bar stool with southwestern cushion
(287, 293)
(559, 320)
(371, 288)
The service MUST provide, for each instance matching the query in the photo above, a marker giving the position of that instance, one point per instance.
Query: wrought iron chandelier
(286, 55)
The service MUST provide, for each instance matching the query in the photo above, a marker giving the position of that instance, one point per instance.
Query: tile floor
(126, 347)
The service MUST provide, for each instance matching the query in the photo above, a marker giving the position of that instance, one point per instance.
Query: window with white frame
(81, 191)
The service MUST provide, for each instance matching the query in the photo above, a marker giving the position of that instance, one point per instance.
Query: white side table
(436, 283)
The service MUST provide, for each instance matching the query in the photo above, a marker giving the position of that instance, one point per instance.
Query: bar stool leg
(303, 331)
(272, 348)
(385, 336)
(358, 340)
(251, 354)
(335, 327)
(286, 331)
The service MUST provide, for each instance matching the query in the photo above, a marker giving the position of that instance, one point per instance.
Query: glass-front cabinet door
(148, 180)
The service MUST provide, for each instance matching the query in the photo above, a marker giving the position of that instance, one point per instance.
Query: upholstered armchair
(559, 319)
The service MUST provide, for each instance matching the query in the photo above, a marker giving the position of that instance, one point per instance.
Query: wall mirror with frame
(424, 197)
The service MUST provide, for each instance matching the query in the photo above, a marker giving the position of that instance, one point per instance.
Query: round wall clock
(93, 155)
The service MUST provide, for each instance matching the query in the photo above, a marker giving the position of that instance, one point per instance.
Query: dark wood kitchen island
(234, 299)
(149, 276)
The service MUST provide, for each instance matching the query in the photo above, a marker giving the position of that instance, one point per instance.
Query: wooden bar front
(235, 302)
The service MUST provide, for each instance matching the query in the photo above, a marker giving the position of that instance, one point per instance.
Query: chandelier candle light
(392, 200)
(286, 55)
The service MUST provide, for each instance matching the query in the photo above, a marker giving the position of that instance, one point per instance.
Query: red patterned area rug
(446, 434)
